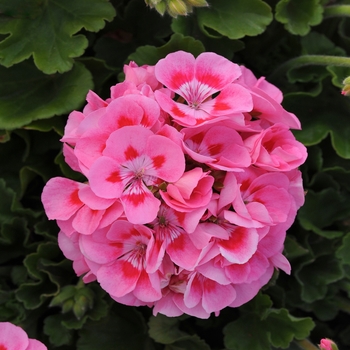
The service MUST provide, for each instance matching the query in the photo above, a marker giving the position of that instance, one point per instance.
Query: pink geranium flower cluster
(192, 182)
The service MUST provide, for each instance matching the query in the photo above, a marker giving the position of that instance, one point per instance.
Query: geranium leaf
(27, 94)
(114, 331)
(317, 214)
(283, 327)
(299, 15)
(314, 285)
(324, 114)
(343, 251)
(151, 54)
(235, 19)
(49, 37)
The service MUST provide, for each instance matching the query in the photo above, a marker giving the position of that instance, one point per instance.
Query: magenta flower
(15, 338)
(327, 344)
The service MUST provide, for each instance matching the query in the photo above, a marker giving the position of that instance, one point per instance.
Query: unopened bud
(197, 3)
(161, 7)
(346, 88)
(327, 344)
(177, 7)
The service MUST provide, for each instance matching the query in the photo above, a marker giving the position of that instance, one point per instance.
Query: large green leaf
(27, 94)
(327, 113)
(49, 37)
(299, 15)
(235, 19)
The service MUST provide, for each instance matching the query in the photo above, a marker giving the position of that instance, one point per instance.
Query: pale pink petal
(86, 220)
(35, 345)
(237, 273)
(88, 197)
(215, 71)
(217, 296)
(241, 246)
(118, 278)
(176, 70)
(12, 337)
(60, 198)
(148, 287)
(166, 306)
(105, 178)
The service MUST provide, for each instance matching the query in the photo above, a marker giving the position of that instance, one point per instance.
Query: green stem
(309, 60)
(306, 344)
(337, 11)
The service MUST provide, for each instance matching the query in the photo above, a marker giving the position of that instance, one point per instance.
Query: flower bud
(178, 7)
(197, 3)
(346, 88)
(161, 7)
(327, 344)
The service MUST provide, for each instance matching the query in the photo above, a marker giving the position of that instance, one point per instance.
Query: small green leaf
(235, 19)
(27, 94)
(114, 331)
(55, 329)
(315, 284)
(165, 330)
(151, 54)
(299, 15)
(343, 251)
(324, 114)
(322, 209)
(49, 37)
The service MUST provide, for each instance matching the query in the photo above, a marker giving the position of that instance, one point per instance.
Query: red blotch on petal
(125, 121)
(221, 106)
(3, 347)
(179, 79)
(215, 149)
(74, 199)
(129, 270)
(236, 240)
(158, 161)
(136, 198)
(177, 112)
(114, 177)
(131, 153)
(210, 80)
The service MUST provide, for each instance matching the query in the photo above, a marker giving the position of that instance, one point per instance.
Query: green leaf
(278, 329)
(235, 19)
(27, 94)
(21, 9)
(55, 329)
(151, 54)
(322, 209)
(343, 251)
(324, 114)
(315, 276)
(165, 330)
(299, 15)
(49, 37)
(114, 331)
(283, 327)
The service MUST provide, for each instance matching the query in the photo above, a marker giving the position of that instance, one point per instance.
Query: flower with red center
(196, 80)
(133, 161)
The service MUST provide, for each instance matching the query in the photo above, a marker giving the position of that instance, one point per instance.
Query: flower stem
(309, 60)
(337, 11)
(306, 344)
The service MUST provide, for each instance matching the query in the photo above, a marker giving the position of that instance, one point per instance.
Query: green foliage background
(53, 51)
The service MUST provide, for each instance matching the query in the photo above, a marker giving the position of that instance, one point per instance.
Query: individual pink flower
(218, 146)
(15, 338)
(82, 210)
(196, 80)
(133, 161)
(171, 238)
(327, 344)
(120, 254)
(258, 199)
(267, 100)
(276, 149)
(192, 191)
